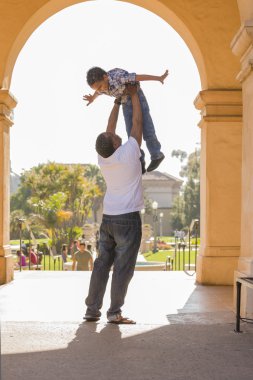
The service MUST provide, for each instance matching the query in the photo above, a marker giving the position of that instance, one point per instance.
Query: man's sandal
(119, 320)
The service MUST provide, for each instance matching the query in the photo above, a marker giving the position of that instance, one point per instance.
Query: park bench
(248, 282)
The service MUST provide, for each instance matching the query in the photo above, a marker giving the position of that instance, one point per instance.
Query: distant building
(162, 188)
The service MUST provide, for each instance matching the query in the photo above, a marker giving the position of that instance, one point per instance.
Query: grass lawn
(49, 264)
(171, 239)
(162, 256)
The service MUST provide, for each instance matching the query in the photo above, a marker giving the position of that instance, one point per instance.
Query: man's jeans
(120, 238)
(149, 135)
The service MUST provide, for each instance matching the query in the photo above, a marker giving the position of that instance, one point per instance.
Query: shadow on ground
(109, 352)
(185, 331)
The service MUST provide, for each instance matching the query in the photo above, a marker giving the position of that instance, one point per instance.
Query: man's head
(97, 79)
(82, 246)
(107, 143)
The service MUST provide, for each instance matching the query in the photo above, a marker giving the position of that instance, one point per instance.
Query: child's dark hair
(104, 145)
(95, 74)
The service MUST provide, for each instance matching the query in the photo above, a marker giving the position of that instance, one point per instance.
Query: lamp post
(161, 223)
(20, 221)
(142, 215)
(154, 207)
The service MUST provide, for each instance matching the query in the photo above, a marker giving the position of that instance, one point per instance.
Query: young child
(113, 83)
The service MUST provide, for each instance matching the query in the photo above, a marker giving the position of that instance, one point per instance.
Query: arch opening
(53, 7)
(164, 99)
(178, 92)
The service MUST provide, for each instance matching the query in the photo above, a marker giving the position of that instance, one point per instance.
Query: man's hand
(164, 76)
(88, 98)
(131, 89)
(118, 101)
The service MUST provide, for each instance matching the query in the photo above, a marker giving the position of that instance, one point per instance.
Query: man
(120, 231)
(83, 258)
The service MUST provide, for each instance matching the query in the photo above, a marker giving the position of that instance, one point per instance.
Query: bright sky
(53, 123)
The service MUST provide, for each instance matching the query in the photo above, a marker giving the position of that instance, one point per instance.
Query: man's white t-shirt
(123, 177)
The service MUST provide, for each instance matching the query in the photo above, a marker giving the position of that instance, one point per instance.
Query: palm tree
(14, 223)
(59, 197)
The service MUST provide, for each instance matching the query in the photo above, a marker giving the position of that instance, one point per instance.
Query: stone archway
(202, 26)
(198, 23)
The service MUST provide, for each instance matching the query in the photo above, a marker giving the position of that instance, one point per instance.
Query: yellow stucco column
(220, 194)
(7, 103)
(242, 46)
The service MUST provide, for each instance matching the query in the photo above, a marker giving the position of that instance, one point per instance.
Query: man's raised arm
(136, 130)
(113, 118)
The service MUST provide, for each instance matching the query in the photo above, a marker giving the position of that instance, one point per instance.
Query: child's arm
(143, 77)
(90, 98)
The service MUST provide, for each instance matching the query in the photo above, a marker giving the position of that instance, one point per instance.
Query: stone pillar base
(245, 270)
(214, 270)
(6, 269)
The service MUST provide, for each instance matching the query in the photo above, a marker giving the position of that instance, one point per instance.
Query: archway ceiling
(207, 27)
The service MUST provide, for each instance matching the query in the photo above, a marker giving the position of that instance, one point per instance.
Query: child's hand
(131, 89)
(88, 98)
(164, 76)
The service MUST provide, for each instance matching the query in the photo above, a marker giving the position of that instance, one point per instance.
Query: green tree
(41, 181)
(178, 213)
(58, 197)
(189, 199)
(93, 173)
(14, 223)
(50, 214)
(148, 205)
(191, 193)
(179, 154)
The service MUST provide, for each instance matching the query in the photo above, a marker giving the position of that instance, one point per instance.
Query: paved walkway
(183, 331)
